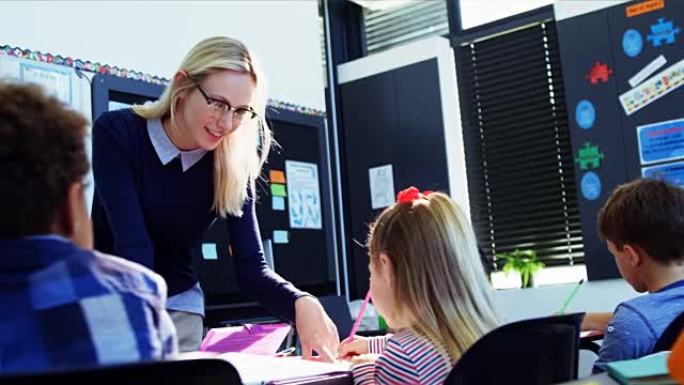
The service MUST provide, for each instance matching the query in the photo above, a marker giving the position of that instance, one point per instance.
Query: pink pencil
(355, 328)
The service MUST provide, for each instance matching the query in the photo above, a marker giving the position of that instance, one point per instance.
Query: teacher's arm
(316, 331)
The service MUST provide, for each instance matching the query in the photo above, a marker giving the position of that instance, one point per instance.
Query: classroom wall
(119, 33)
(153, 36)
(593, 296)
(564, 9)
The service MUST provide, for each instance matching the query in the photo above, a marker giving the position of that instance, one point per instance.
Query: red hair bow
(411, 194)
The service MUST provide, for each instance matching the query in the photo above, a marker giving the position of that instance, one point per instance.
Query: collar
(35, 252)
(673, 285)
(167, 151)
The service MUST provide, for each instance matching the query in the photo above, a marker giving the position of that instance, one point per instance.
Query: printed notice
(304, 199)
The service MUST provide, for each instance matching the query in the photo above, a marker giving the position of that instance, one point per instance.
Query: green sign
(589, 157)
(278, 190)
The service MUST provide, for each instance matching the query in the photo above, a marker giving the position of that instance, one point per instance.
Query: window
(387, 27)
(474, 13)
(519, 159)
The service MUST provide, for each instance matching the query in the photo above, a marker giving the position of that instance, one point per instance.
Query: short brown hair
(648, 213)
(42, 152)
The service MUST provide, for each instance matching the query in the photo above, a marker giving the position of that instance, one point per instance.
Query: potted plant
(524, 262)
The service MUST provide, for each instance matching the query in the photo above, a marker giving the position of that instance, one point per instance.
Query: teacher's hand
(316, 330)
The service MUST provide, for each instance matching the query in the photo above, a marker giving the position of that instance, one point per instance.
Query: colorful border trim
(6, 50)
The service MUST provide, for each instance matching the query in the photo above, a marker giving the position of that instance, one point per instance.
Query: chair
(537, 351)
(337, 308)
(182, 372)
(669, 336)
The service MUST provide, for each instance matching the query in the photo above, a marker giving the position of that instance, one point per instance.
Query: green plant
(523, 262)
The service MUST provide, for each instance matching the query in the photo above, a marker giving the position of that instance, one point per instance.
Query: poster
(304, 198)
(653, 89)
(381, 186)
(55, 81)
(660, 142)
(647, 71)
(672, 173)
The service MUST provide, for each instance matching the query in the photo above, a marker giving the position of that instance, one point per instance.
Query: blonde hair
(238, 157)
(439, 282)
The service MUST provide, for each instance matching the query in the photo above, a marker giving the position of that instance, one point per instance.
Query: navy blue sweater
(156, 214)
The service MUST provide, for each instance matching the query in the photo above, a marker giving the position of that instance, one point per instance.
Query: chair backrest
(669, 336)
(183, 372)
(537, 351)
(337, 308)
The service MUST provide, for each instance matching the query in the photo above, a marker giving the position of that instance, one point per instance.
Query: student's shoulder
(127, 276)
(653, 303)
(632, 317)
(410, 342)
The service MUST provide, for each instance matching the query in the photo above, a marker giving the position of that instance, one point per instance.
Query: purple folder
(264, 339)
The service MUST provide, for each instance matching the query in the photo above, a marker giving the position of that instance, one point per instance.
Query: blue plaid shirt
(64, 307)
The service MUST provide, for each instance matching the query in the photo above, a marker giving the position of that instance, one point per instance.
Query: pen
(571, 296)
(286, 352)
(355, 328)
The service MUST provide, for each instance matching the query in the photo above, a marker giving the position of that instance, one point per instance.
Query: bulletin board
(68, 85)
(623, 72)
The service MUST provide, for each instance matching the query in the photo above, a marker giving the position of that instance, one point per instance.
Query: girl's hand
(355, 346)
(364, 359)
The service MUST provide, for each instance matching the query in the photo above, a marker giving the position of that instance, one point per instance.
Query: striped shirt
(64, 307)
(405, 358)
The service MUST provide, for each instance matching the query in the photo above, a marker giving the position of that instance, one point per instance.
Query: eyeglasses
(223, 107)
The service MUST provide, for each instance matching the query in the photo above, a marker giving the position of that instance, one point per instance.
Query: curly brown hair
(42, 152)
(648, 213)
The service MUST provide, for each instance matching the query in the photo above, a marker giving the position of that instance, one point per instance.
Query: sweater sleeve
(376, 345)
(256, 279)
(116, 191)
(364, 374)
(394, 366)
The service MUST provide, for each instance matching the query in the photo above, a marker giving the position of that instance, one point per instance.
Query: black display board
(623, 51)
(392, 118)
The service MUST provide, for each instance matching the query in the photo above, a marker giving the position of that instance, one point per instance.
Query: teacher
(164, 172)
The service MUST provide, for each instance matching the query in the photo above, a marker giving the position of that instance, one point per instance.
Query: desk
(251, 369)
(596, 379)
(330, 379)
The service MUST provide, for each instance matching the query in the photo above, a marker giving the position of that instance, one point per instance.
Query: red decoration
(411, 194)
(599, 71)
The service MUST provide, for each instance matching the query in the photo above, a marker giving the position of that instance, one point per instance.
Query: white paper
(303, 198)
(278, 203)
(654, 88)
(281, 237)
(209, 251)
(56, 82)
(255, 369)
(381, 186)
(647, 71)
(114, 105)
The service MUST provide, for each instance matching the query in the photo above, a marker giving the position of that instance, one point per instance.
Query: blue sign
(632, 43)
(663, 32)
(591, 186)
(663, 141)
(672, 173)
(585, 114)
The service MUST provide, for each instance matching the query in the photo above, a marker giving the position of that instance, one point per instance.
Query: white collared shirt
(167, 151)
